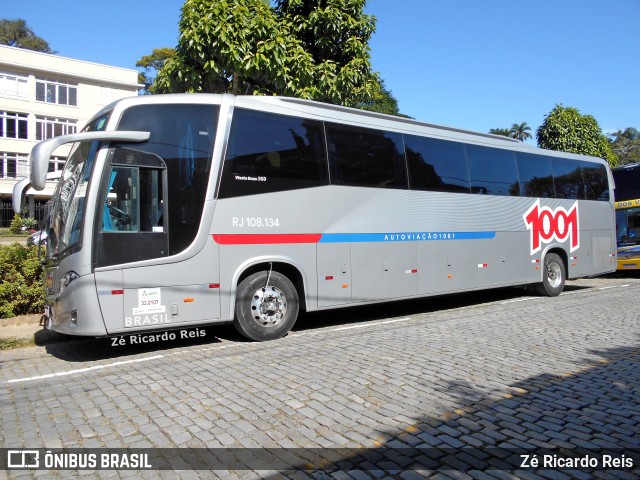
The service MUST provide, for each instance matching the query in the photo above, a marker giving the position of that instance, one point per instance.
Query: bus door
(130, 225)
(135, 224)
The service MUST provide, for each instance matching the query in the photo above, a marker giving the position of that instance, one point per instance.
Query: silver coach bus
(185, 210)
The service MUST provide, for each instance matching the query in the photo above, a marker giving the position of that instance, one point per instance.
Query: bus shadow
(630, 274)
(589, 412)
(575, 288)
(402, 308)
(82, 349)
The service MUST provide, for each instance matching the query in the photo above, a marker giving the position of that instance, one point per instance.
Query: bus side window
(436, 165)
(272, 153)
(492, 171)
(120, 203)
(132, 210)
(536, 179)
(567, 178)
(365, 157)
(134, 201)
(596, 184)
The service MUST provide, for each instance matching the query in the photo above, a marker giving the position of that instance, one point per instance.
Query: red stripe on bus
(267, 238)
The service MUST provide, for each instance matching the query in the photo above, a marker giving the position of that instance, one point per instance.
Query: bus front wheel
(553, 276)
(266, 306)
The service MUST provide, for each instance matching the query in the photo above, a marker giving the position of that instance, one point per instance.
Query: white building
(42, 96)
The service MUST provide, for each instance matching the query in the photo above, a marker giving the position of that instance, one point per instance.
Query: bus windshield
(68, 206)
(67, 211)
(628, 223)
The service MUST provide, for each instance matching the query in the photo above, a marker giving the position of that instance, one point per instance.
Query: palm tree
(505, 132)
(520, 132)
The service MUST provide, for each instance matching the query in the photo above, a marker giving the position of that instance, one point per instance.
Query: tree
(382, 102)
(152, 64)
(520, 131)
(626, 145)
(309, 49)
(16, 33)
(504, 132)
(565, 129)
(336, 34)
(229, 46)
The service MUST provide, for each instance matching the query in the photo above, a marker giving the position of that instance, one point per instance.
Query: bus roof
(339, 113)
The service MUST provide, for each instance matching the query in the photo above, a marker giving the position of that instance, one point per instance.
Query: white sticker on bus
(149, 301)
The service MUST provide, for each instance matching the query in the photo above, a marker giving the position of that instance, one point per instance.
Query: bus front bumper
(76, 311)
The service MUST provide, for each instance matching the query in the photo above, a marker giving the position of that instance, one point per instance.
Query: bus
(183, 210)
(627, 204)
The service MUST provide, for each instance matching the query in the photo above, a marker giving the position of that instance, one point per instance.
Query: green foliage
(336, 34)
(29, 224)
(308, 49)
(382, 102)
(16, 224)
(15, 342)
(16, 33)
(626, 145)
(220, 45)
(20, 225)
(504, 132)
(21, 290)
(518, 131)
(152, 64)
(565, 129)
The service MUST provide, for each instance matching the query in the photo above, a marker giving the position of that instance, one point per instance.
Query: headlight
(65, 280)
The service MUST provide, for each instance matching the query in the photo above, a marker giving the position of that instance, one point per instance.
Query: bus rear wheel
(553, 276)
(266, 306)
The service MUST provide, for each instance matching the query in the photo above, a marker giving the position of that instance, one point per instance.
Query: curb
(29, 334)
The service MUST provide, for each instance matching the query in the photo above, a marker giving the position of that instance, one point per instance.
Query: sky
(472, 64)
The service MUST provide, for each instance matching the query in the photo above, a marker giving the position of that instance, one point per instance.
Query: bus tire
(265, 312)
(554, 275)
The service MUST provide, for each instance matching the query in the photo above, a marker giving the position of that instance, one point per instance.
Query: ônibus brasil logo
(546, 225)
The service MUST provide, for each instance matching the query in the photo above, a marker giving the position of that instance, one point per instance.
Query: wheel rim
(268, 306)
(554, 275)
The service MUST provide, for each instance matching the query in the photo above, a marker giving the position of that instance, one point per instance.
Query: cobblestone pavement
(407, 384)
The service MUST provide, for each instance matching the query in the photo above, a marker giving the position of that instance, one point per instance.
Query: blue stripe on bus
(403, 237)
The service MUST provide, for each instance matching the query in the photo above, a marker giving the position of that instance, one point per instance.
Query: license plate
(631, 266)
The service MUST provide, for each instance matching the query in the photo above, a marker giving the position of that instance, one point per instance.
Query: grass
(9, 237)
(6, 232)
(15, 342)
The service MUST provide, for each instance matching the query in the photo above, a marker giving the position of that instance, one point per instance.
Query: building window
(13, 165)
(61, 93)
(49, 127)
(56, 164)
(13, 125)
(13, 86)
